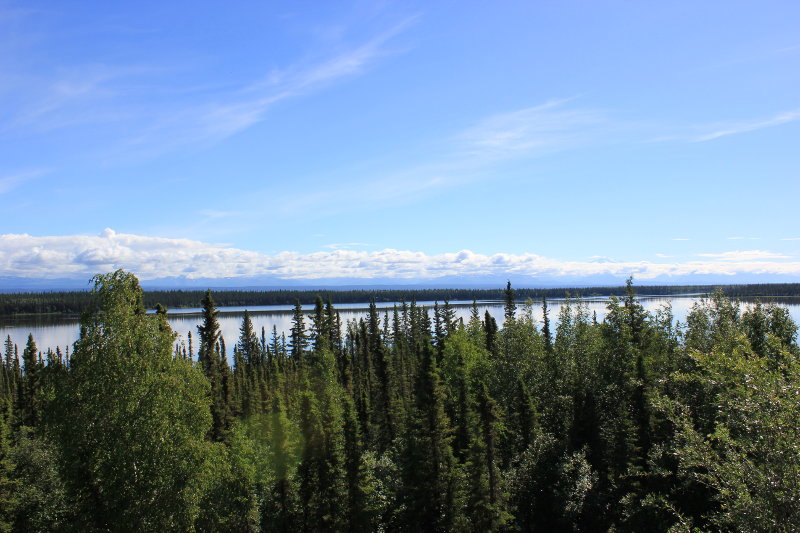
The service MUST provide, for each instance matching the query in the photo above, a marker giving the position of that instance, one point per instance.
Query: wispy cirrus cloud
(344, 245)
(77, 256)
(148, 110)
(544, 128)
(699, 133)
(12, 181)
(746, 255)
(230, 113)
(734, 128)
(469, 155)
(370, 193)
(85, 94)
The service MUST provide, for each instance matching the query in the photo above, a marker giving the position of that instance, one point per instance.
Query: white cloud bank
(81, 256)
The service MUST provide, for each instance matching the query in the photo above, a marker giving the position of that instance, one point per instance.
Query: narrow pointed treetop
(510, 306)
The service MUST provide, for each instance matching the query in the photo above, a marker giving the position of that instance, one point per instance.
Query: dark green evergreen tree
(29, 385)
(525, 418)
(548, 336)
(279, 513)
(510, 309)
(298, 337)
(430, 481)
(216, 369)
(490, 330)
(9, 495)
(486, 504)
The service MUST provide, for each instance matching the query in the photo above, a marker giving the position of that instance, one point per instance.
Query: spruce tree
(548, 336)
(279, 513)
(485, 502)
(430, 483)
(525, 416)
(320, 327)
(248, 341)
(29, 400)
(383, 394)
(510, 308)
(490, 330)
(8, 484)
(357, 518)
(215, 368)
(298, 336)
(321, 470)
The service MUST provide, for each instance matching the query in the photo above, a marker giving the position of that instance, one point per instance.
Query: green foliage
(42, 503)
(431, 492)
(230, 503)
(519, 354)
(9, 485)
(298, 335)
(549, 487)
(213, 361)
(403, 423)
(29, 385)
(130, 419)
(751, 458)
(461, 350)
(510, 308)
(486, 501)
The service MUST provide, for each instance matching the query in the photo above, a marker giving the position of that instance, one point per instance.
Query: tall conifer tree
(215, 368)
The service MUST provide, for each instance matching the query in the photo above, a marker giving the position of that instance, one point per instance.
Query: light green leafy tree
(737, 429)
(130, 419)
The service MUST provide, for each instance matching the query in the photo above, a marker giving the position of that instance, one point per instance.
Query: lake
(61, 332)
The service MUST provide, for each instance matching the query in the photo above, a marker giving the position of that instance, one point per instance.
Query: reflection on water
(62, 332)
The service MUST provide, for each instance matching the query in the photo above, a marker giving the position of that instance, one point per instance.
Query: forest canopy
(407, 421)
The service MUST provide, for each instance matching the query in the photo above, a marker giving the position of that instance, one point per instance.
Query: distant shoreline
(66, 303)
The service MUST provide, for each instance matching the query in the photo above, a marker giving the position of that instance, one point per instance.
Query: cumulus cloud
(80, 256)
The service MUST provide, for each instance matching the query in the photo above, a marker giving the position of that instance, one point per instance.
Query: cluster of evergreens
(40, 303)
(407, 421)
(75, 302)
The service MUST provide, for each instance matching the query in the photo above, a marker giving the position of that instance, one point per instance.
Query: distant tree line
(75, 302)
(406, 420)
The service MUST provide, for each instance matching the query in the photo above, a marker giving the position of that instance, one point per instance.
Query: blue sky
(543, 137)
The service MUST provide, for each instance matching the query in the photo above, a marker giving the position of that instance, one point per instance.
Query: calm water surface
(62, 332)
